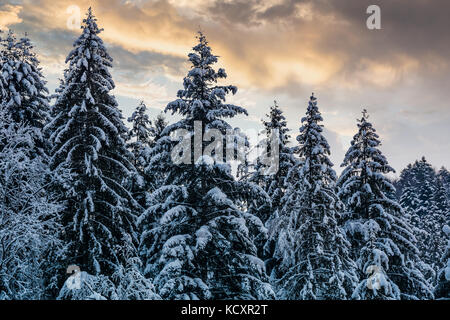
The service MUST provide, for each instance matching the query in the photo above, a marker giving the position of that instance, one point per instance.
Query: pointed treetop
(365, 115)
(90, 22)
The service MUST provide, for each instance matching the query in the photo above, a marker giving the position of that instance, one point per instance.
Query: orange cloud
(9, 14)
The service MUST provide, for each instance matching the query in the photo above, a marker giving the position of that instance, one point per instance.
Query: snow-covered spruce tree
(383, 244)
(435, 220)
(140, 135)
(273, 182)
(29, 226)
(311, 249)
(425, 177)
(443, 176)
(442, 290)
(196, 241)
(271, 177)
(87, 134)
(152, 179)
(159, 124)
(409, 201)
(25, 95)
(139, 140)
(428, 191)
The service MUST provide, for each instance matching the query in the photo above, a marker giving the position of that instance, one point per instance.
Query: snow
(446, 230)
(78, 186)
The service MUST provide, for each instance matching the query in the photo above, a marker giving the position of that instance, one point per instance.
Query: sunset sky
(275, 49)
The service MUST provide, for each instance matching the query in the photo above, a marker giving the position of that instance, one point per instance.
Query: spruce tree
(311, 249)
(87, 134)
(383, 243)
(139, 140)
(438, 218)
(442, 289)
(29, 225)
(159, 124)
(197, 242)
(427, 212)
(443, 177)
(140, 135)
(271, 177)
(23, 90)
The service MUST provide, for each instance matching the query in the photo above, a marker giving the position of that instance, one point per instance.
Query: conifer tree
(442, 290)
(311, 249)
(140, 139)
(271, 177)
(438, 218)
(427, 212)
(140, 135)
(29, 227)
(87, 134)
(23, 88)
(159, 124)
(444, 176)
(383, 244)
(197, 242)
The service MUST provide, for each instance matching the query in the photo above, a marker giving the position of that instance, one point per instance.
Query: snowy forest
(92, 207)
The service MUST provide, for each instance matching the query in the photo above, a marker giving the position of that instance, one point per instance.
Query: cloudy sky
(275, 50)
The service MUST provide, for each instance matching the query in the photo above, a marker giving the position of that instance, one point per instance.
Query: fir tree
(383, 244)
(442, 290)
(197, 242)
(140, 135)
(311, 248)
(29, 225)
(444, 176)
(159, 124)
(271, 177)
(283, 157)
(23, 89)
(88, 136)
(139, 141)
(427, 211)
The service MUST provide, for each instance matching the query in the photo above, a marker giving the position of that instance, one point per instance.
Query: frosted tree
(271, 177)
(140, 134)
(436, 219)
(311, 249)
(29, 225)
(444, 176)
(409, 199)
(159, 124)
(383, 243)
(425, 177)
(24, 91)
(197, 242)
(140, 138)
(273, 181)
(442, 290)
(87, 134)
(427, 196)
